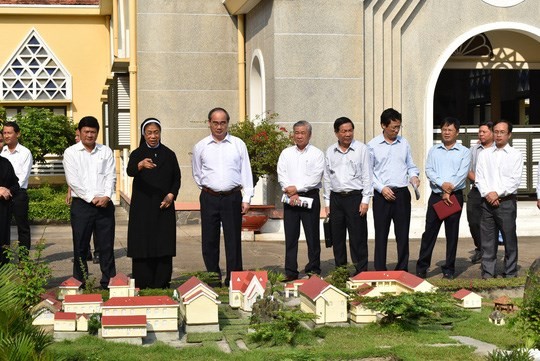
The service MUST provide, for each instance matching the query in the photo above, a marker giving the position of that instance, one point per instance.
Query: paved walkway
(268, 250)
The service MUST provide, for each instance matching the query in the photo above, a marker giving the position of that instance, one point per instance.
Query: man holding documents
(347, 190)
(498, 176)
(393, 170)
(447, 166)
(300, 169)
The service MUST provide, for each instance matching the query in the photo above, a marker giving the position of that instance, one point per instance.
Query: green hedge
(48, 204)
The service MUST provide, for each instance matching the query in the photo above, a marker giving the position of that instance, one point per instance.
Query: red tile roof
(136, 320)
(241, 279)
(65, 316)
(119, 280)
(93, 297)
(313, 287)
(402, 277)
(461, 294)
(71, 282)
(140, 301)
(190, 284)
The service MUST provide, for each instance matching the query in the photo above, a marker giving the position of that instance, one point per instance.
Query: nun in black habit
(9, 185)
(152, 219)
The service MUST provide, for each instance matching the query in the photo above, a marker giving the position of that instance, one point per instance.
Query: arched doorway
(257, 95)
(491, 73)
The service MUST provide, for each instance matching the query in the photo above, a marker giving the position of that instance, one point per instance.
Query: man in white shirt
(474, 199)
(91, 174)
(222, 171)
(348, 177)
(21, 159)
(498, 175)
(300, 169)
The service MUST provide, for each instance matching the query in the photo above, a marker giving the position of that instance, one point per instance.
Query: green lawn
(330, 343)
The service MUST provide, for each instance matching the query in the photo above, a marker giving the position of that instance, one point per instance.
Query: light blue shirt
(447, 165)
(393, 165)
(348, 171)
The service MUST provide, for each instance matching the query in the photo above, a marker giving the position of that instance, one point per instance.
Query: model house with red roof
(43, 313)
(358, 313)
(82, 322)
(390, 282)
(327, 302)
(291, 288)
(468, 299)
(246, 287)
(87, 303)
(122, 327)
(65, 321)
(198, 306)
(122, 286)
(161, 311)
(71, 286)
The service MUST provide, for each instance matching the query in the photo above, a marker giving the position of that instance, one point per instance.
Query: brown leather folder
(444, 211)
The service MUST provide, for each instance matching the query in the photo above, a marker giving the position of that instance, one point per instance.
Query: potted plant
(264, 141)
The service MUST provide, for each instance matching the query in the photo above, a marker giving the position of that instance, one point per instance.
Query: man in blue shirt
(393, 169)
(447, 166)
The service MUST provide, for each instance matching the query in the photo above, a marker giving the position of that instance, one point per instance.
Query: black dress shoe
(421, 274)
(476, 257)
(448, 276)
(290, 278)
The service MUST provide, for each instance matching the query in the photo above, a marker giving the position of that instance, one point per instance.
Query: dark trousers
(292, 216)
(152, 272)
(85, 220)
(5, 229)
(345, 216)
(20, 212)
(474, 213)
(433, 225)
(501, 218)
(225, 211)
(384, 212)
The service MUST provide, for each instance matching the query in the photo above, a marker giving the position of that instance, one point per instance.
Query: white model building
(161, 311)
(43, 313)
(71, 286)
(468, 299)
(87, 303)
(133, 326)
(291, 288)
(390, 282)
(358, 313)
(198, 306)
(65, 321)
(122, 286)
(246, 287)
(327, 302)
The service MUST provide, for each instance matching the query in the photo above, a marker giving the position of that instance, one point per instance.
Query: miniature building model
(71, 286)
(161, 311)
(198, 306)
(503, 303)
(359, 313)
(390, 282)
(324, 300)
(88, 303)
(65, 321)
(43, 313)
(82, 323)
(497, 318)
(468, 299)
(246, 287)
(123, 326)
(291, 289)
(122, 286)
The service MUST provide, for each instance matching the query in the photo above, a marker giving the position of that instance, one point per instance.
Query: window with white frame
(34, 73)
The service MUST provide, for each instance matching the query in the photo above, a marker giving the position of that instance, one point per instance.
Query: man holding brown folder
(447, 166)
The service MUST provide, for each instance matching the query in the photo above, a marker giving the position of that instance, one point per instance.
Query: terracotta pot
(256, 217)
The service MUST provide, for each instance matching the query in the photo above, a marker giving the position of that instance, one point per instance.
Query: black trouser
(153, 272)
(20, 212)
(86, 219)
(5, 228)
(502, 217)
(474, 213)
(433, 225)
(384, 212)
(292, 216)
(345, 216)
(224, 210)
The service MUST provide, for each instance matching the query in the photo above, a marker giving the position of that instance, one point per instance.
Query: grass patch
(48, 204)
(477, 284)
(205, 336)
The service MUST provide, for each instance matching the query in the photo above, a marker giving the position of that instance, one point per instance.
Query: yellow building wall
(82, 45)
(202, 311)
(336, 306)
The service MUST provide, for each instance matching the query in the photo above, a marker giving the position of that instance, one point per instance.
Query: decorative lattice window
(34, 73)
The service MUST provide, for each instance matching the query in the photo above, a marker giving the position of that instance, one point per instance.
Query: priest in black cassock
(152, 219)
(9, 185)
